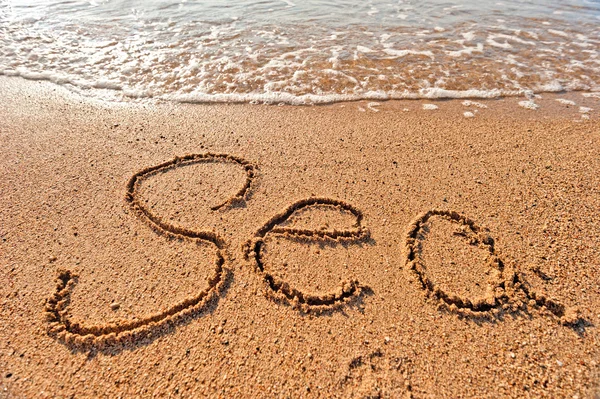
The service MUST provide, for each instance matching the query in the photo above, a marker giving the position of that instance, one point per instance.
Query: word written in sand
(280, 290)
(506, 290)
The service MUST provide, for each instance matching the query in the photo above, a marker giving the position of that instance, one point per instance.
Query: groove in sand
(56, 311)
(280, 290)
(510, 292)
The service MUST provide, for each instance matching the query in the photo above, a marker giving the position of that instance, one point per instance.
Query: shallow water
(308, 51)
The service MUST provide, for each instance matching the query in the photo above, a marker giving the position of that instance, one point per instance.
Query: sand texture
(243, 251)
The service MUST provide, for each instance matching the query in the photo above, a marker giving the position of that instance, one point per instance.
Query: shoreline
(286, 99)
(525, 178)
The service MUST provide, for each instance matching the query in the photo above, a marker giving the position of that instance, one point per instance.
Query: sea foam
(268, 53)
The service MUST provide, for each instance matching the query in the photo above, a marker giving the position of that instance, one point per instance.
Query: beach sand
(324, 272)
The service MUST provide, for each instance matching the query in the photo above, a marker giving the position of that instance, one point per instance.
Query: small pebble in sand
(115, 306)
(430, 106)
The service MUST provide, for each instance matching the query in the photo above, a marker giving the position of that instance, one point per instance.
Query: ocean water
(299, 52)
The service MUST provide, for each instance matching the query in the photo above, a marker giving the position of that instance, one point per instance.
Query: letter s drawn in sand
(71, 332)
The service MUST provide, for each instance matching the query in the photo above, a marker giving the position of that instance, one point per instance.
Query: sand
(261, 251)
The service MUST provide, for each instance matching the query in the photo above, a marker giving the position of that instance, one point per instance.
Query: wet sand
(347, 250)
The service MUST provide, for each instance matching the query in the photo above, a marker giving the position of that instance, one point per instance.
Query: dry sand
(312, 264)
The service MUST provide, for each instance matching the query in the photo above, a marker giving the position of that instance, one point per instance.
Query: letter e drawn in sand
(505, 291)
(280, 290)
(75, 334)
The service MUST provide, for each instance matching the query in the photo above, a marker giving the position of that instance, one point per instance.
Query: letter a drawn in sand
(506, 291)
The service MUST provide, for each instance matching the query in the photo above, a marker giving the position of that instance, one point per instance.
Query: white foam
(593, 95)
(472, 93)
(469, 103)
(585, 116)
(401, 53)
(468, 114)
(565, 102)
(550, 87)
(585, 110)
(466, 51)
(558, 32)
(373, 11)
(469, 36)
(430, 107)
(363, 49)
(372, 106)
(547, 50)
(107, 84)
(335, 72)
(137, 93)
(430, 93)
(494, 43)
(273, 90)
(239, 59)
(533, 35)
(529, 104)
(491, 40)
